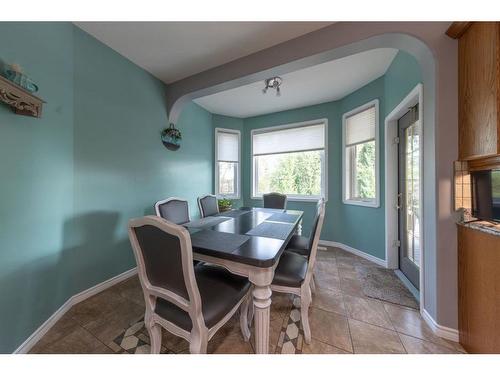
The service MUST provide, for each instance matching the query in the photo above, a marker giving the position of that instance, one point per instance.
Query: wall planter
(22, 101)
(171, 138)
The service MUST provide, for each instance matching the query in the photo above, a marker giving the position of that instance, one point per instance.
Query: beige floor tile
(96, 307)
(173, 343)
(326, 267)
(109, 325)
(318, 347)
(131, 289)
(329, 300)
(418, 346)
(352, 287)
(231, 344)
(330, 328)
(281, 304)
(345, 273)
(411, 323)
(79, 341)
(367, 338)
(367, 310)
(232, 326)
(327, 282)
(61, 328)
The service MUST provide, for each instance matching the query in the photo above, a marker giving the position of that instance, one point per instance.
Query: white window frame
(238, 174)
(374, 203)
(290, 197)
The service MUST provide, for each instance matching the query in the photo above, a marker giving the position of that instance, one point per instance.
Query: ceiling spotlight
(273, 83)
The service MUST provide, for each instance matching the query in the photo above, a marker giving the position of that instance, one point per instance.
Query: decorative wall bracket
(21, 101)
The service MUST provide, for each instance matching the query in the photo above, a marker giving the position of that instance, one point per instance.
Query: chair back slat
(275, 200)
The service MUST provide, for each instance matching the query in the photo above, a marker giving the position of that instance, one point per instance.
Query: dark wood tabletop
(253, 236)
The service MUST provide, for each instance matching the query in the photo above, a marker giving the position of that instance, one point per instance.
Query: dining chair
(190, 302)
(294, 271)
(175, 210)
(208, 205)
(275, 200)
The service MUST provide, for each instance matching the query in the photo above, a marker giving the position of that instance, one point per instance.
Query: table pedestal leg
(262, 305)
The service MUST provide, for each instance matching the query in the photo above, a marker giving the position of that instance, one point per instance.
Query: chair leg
(313, 284)
(199, 341)
(245, 330)
(251, 312)
(154, 331)
(305, 301)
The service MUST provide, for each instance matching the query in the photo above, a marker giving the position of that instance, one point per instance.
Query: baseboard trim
(77, 298)
(439, 330)
(362, 254)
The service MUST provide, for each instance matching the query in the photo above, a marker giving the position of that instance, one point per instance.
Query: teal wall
(400, 78)
(36, 181)
(362, 228)
(342, 222)
(72, 179)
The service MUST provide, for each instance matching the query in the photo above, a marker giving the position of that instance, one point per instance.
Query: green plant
(224, 204)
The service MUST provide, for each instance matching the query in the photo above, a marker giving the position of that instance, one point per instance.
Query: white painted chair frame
(159, 203)
(202, 214)
(305, 290)
(200, 334)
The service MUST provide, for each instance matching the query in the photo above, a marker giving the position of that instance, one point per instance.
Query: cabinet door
(478, 90)
(479, 290)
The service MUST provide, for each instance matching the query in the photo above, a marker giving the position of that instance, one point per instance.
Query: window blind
(304, 138)
(360, 127)
(227, 146)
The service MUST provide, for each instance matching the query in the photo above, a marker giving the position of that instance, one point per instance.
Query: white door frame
(391, 182)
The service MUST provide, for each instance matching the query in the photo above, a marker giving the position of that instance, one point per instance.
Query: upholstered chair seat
(291, 270)
(219, 290)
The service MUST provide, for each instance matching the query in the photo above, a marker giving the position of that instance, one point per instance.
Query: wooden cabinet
(479, 93)
(479, 290)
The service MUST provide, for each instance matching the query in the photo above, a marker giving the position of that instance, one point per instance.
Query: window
(290, 159)
(227, 163)
(360, 156)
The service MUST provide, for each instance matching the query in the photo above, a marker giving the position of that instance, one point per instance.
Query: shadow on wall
(91, 254)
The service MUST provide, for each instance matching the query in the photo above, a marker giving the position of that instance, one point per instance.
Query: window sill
(231, 197)
(370, 204)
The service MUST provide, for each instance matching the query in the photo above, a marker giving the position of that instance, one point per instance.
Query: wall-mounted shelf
(22, 102)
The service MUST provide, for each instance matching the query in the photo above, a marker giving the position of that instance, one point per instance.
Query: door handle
(398, 202)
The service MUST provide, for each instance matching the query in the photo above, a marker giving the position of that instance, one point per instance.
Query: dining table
(249, 242)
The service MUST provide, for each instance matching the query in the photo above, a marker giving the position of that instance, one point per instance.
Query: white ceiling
(317, 84)
(175, 50)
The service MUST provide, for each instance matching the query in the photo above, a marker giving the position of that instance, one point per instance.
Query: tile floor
(342, 321)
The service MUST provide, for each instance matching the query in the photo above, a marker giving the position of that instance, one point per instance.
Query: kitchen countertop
(483, 226)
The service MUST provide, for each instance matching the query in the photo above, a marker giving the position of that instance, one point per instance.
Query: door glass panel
(412, 198)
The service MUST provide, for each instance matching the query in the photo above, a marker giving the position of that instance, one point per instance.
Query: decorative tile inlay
(292, 335)
(133, 340)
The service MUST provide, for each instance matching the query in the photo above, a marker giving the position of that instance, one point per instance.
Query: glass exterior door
(409, 195)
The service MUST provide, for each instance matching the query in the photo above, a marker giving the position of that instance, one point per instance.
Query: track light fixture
(273, 83)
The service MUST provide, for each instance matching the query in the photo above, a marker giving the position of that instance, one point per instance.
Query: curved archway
(431, 51)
